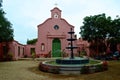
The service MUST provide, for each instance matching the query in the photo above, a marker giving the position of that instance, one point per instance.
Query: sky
(25, 15)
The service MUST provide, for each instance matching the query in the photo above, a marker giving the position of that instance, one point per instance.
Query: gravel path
(18, 70)
(27, 70)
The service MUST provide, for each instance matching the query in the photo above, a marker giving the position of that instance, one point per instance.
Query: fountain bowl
(76, 60)
(58, 66)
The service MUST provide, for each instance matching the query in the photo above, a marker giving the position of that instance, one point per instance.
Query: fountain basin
(91, 67)
(72, 61)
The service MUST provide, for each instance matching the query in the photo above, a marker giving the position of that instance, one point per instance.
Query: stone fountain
(72, 59)
(72, 64)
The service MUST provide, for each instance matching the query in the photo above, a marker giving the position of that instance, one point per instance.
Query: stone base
(72, 69)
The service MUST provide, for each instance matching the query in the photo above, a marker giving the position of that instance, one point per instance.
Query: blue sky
(25, 15)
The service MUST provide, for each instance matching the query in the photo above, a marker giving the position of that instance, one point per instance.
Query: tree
(114, 34)
(96, 30)
(95, 27)
(0, 3)
(33, 41)
(6, 31)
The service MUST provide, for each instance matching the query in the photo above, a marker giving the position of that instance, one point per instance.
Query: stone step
(70, 69)
(70, 72)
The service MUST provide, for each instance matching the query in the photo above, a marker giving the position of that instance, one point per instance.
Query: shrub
(84, 70)
(25, 56)
(99, 68)
(37, 55)
(33, 55)
(105, 65)
(8, 57)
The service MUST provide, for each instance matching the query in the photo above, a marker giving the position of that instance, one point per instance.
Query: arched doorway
(56, 48)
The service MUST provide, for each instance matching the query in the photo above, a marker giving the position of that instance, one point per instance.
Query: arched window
(42, 47)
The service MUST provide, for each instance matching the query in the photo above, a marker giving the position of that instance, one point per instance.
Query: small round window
(56, 27)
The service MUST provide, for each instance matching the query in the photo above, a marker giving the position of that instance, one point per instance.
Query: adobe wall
(28, 50)
(17, 49)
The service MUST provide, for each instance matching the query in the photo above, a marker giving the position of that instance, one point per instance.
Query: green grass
(28, 70)
(94, 61)
(52, 62)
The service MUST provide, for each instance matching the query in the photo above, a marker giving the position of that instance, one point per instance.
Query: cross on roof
(56, 4)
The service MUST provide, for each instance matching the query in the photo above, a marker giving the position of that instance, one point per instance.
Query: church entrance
(56, 48)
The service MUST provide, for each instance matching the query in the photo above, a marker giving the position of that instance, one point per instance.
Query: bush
(25, 56)
(33, 55)
(99, 68)
(84, 70)
(8, 57)
(105, 65)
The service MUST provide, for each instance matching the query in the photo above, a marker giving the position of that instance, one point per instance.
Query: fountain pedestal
(71, 39)
(72, 59)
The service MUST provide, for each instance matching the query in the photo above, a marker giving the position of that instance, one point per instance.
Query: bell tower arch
(56, 13)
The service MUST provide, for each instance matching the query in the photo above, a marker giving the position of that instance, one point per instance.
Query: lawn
(27, 70)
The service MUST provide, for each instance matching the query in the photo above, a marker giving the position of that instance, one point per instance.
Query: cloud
(25, 15)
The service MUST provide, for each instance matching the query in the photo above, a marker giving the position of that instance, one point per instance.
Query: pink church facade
(52, 39)
(53, 35)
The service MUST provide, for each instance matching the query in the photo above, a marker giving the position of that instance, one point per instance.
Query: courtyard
(28, 70)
